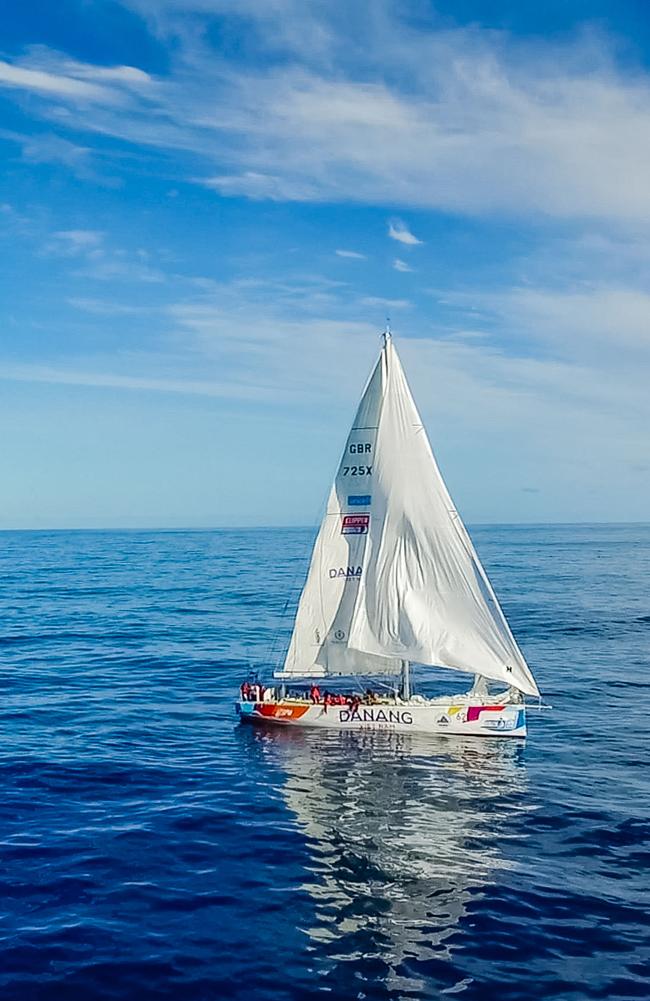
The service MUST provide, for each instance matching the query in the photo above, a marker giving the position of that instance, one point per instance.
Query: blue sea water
(151, 848)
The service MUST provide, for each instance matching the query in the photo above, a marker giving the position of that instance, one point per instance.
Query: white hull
(439, 718)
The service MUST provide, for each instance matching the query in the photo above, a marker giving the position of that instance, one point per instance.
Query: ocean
(152, 848)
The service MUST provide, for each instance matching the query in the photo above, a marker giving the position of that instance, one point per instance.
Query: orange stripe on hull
(280, 712)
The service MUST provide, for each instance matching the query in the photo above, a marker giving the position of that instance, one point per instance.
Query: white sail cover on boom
(394, 575)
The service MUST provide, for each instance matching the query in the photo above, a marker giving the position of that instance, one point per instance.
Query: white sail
(320, 641)
(424, 595)
(394, 575)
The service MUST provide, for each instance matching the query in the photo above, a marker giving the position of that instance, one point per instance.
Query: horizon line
(294, 527)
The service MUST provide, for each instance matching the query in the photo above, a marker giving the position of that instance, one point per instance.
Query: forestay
(394, 575)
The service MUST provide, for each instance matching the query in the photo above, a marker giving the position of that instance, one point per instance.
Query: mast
(406, 680)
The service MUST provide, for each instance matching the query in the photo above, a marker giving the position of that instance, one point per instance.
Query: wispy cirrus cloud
(95, 257)
(459, 119)
(352, 254)
(85, 162)
(400, 265)
(75, 242)
(579, 322)
(575, 402)
(50, 148)
(70, 80)
(53, 84)
(375, 301)
(103, 307)
(553, 373)
(106, 379)
(398, 230)
(258, 186)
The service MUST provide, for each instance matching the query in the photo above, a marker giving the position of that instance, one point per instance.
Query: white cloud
(101, 307)
(576, 323)
(80, 237)
(95, 258)
(353, 254)
(51, 83)
(399, 231)
(70, 80)
(128, 75)
(401, 265)
(254, 185)
(115, 380)
(377, 300)
(565, 409)
(461, 120)
(74, 242)
(50, 148)
(118, 266)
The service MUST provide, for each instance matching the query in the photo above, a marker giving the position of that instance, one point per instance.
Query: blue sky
(208, 208)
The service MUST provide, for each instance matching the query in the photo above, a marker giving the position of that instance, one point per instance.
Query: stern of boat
(482, 720)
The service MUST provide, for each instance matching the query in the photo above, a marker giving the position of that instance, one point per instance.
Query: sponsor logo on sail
(355, 524)
(350, 573)
(359, 500)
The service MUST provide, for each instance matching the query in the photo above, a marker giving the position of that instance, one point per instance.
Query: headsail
(394, 575)
(320, 641)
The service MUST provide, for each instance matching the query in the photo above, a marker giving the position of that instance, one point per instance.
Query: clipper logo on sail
(350, 573)
(355, 524)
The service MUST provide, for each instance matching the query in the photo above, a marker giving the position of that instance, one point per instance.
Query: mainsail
(394, 576)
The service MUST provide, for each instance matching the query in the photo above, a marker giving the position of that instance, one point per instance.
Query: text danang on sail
(347, 572)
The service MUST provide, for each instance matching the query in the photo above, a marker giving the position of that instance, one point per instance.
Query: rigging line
(297, 583)
(470, 549)
(466, 541)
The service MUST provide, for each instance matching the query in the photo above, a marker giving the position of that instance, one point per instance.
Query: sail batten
(394, 574)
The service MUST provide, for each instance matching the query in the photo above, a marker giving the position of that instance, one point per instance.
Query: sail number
(357, 470)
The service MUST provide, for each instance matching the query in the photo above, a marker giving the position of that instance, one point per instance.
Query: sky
(208, 208)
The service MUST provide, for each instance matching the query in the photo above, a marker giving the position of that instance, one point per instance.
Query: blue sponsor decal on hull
(505, 722)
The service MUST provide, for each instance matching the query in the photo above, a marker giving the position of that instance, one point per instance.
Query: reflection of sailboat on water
(400, 843)
(394, 578)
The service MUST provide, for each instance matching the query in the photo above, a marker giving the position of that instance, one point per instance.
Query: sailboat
(394, 579)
